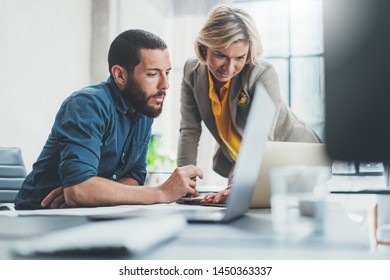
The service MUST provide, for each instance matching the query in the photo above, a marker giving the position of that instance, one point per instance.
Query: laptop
(278, 154)
(247, 167)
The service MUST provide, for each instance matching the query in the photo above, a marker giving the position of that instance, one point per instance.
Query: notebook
(247, 167)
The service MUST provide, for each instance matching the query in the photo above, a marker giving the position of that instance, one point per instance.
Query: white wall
(155, 16)
(44, 55)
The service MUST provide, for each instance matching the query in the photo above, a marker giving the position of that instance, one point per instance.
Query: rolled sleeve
(79, 131)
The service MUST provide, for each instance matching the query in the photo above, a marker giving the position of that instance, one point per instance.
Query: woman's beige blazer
(196, 107)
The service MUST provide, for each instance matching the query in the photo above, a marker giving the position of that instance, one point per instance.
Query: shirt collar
(120, 102)
(211, 82)
(213, 94)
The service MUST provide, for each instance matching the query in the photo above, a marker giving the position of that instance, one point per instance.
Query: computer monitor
(357, 79)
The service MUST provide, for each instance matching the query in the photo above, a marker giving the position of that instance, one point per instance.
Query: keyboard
(359, 178)
(352, 168)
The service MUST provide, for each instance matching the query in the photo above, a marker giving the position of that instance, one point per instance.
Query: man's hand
(181, 183)
(98, 191)
(55, 199)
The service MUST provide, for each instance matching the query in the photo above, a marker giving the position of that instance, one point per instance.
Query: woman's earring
(203, 50)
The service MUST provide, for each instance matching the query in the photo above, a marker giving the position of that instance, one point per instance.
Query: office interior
(60, 47)
(51, 48)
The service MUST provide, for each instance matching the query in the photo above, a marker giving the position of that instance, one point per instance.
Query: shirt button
(114, 177)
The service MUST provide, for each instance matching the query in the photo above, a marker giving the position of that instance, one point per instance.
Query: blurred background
(51, 48)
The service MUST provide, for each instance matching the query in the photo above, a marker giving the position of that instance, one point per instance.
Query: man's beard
(139, 101)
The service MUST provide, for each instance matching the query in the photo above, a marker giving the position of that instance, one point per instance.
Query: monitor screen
(357, 79)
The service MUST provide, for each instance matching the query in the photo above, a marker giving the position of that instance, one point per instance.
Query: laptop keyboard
(352, 168)
(353, 176)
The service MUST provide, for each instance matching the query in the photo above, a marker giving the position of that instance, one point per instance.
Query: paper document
(86, 211)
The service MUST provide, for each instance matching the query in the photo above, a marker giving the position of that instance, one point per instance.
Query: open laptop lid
(250, 156)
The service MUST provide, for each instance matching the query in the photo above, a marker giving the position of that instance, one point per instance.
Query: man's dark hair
(125, 49)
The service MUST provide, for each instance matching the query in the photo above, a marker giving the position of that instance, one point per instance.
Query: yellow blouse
(220, 107)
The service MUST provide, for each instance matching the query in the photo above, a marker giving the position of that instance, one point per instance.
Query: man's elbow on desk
(77, 195)
(88, 194)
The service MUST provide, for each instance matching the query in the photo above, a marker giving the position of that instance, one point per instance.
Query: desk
(250, 237)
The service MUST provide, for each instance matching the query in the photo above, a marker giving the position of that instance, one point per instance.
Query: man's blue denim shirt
(95, 133)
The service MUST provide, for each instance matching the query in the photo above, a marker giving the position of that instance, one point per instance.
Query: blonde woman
(218, 88)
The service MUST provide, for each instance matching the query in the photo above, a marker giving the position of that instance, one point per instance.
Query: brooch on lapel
(242, 99)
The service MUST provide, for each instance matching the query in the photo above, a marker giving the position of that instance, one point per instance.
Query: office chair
(12, 173)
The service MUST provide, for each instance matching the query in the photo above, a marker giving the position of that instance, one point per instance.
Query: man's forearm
(98, 191)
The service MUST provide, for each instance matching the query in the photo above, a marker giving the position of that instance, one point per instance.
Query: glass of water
(298, 199)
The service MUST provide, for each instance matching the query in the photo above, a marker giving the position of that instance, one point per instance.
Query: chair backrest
(12, 173)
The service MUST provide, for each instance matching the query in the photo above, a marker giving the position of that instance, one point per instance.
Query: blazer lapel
(201, 90)
(238, 93)
(234, 90)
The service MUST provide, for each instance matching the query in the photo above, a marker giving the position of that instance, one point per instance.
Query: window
(291, 32)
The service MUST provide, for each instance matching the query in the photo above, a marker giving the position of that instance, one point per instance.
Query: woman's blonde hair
(225, 26)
